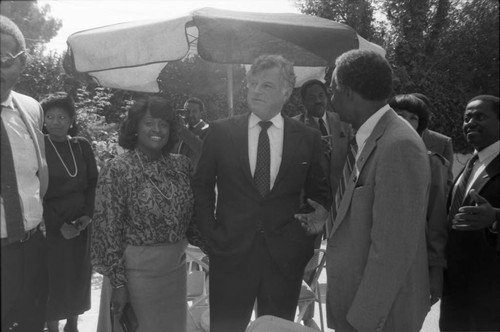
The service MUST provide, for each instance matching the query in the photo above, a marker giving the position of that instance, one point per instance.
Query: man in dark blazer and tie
(471, 300)
(256, 171)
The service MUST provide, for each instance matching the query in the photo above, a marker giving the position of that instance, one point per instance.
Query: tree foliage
(36, 22)
(358, 14)
(446, 49)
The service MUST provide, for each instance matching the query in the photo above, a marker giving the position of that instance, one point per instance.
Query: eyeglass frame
(7, 60)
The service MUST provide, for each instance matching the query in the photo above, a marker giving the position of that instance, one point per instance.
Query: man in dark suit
(194, 132)
(335, 134)
(471, 298)
(24, 182)
(265, 166)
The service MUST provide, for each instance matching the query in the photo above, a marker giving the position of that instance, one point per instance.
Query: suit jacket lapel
(291, 140)
(38, 140)
(370, 145)
(490, 171)
(239, 134)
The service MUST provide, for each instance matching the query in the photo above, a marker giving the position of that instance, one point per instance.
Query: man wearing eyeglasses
(24, 182)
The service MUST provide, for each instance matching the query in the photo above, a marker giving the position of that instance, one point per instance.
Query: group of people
(257, 192)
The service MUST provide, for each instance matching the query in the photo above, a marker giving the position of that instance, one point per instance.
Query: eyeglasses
(8, 60)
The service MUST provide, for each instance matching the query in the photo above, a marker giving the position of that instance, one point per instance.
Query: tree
(36, 23)
(358, 14)
(446, 49)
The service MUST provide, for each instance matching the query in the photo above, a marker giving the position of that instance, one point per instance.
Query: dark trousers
(472, 296)
(24, 285)
(237, 282)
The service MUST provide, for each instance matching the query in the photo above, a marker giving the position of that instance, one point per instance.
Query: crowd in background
(257, 192)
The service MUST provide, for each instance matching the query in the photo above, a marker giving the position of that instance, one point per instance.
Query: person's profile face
(315, 101)
(481, 125)
(267, 93)
(12, 69)
(338, 99)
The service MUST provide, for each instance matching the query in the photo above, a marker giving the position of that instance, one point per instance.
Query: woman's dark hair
(412, 104)
(159, 108)
(65, 102)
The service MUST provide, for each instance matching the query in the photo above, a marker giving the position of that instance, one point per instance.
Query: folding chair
(269, 323)
(309, 294)
(197, 289)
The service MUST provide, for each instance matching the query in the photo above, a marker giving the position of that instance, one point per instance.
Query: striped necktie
(322, 127)
(461, 185)
(346, 172)
(262, 175)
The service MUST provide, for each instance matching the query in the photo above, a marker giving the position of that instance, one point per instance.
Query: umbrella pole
(229, 73)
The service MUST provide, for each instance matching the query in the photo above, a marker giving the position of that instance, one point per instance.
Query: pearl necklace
(62, 161)
(154, 185)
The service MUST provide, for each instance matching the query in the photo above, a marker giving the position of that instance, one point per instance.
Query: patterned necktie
(346, 172)
(262, 175)
(461, 185)
(10, 194)
(322, 127)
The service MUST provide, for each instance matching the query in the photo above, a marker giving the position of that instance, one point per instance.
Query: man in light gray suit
(25, 179)
(376, 255)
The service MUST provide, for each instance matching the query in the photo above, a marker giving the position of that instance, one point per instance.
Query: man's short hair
(366, 72)
(196, 101)
(268, 61)
(310, 84)
(8, 27)
(494, 102)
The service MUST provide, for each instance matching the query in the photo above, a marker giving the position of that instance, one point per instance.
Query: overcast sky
(80, 15)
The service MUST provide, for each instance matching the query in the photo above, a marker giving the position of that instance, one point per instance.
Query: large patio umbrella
(131, 55)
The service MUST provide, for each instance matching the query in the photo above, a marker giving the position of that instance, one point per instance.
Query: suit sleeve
(316, 187)
(204, 182)
(448, 154)
(402, 178)
(437, 227)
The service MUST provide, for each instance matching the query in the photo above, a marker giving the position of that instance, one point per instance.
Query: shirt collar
(366, 128)
(8, 101)
(488, 152)
(277, 120)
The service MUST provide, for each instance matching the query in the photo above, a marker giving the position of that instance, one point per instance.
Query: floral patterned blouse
(139, 202)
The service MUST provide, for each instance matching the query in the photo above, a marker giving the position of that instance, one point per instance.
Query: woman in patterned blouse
(142, 212)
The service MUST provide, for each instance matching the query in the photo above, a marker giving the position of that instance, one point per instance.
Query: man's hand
(69, 231)
(313, 222)
(82, 223)
(474, 217)
(119, 297)
(436, 283)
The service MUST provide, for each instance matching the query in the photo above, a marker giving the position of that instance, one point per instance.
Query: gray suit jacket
(32, 114)
(376, 256)
(441, 144)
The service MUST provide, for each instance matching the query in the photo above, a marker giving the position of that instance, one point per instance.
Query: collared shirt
(26, 165)
(366, 128)
(275, 132)
(486, 155)
(324, 120)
